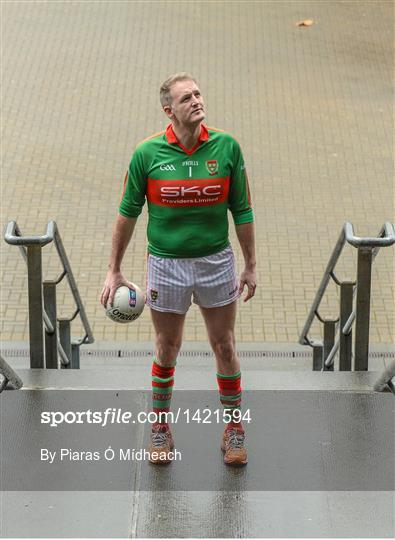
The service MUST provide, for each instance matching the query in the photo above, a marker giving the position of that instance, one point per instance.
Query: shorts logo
(212, 166)
(154, 295)
(233, 292)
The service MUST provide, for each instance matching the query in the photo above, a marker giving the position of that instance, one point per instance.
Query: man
(190, 176)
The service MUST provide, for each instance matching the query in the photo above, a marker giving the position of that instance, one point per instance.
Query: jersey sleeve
(239, 194)
(133, 197)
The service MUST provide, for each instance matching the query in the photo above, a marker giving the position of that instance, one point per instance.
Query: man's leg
(220, 323)
(168, 336)
(168, 330)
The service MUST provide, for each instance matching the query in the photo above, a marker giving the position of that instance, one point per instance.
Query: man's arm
(122, 233)
(246, 236)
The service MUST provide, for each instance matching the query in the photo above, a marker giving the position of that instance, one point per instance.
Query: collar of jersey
(172, 138)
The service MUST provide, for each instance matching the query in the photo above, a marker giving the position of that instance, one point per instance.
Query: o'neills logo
(116, 314)
(204, 192)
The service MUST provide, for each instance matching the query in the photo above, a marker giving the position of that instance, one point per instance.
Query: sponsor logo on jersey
(179, 193)
(167, 168)
(212, 166)
(182, 191)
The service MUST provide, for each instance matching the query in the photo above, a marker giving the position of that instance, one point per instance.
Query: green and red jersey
(188, 192)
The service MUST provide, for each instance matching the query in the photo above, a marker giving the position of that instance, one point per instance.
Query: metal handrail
(385, 238)
(9, 376)
(14, 236)
(385, 379)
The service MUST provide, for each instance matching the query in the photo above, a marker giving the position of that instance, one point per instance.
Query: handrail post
(65, 340)
(36, 329)
(51, 339)
(75, 355)
(364, 280)
(329, 341)
(317, 357)
(346, 301)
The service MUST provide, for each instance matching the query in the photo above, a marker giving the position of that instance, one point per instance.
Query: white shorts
(211, 281)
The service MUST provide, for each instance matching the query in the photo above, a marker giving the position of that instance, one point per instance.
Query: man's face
(187, 106)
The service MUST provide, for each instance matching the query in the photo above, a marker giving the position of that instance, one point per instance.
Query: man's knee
(167, 351)
(224, 348)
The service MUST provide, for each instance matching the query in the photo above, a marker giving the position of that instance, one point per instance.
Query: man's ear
(168, 111)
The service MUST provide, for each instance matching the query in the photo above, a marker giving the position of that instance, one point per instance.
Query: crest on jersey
(212, 166)
(154, 295)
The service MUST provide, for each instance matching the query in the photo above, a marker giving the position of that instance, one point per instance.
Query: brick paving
(312, 108)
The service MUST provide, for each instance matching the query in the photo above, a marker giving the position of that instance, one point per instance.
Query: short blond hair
(164, 92)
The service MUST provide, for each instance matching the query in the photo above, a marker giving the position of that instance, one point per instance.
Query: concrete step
(320, 462)
(194, 378)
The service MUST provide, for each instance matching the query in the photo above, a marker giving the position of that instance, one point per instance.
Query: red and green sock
(230, 396)
(162, 387)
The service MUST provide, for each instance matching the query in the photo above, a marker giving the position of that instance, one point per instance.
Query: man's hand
(248, 277)
(113, 281)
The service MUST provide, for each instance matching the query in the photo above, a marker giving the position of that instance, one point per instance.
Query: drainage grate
(122, 353)
(243, 354)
